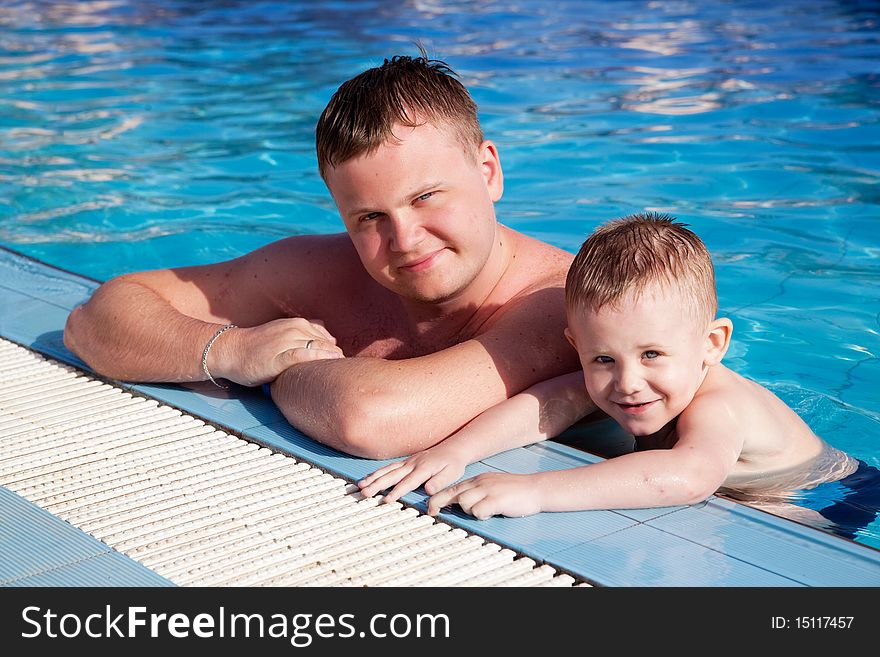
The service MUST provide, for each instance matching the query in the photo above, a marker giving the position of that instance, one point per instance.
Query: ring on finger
(309, 344)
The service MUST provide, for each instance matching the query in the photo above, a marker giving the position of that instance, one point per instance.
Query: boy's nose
(405, 233)
(628, 381)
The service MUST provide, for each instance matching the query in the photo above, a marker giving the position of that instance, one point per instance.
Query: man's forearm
(376, 408)
(127, 332)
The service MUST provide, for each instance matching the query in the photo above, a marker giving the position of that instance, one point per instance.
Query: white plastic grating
(205, 508)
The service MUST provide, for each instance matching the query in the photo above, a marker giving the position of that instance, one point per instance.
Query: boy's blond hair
(625, 256)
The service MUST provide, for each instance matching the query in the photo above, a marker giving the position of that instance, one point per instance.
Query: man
(380, 341)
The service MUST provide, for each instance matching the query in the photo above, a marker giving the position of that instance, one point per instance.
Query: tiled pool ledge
(715, 543)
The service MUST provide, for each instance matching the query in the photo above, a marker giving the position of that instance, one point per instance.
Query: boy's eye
(604, 359)
(425, 196)
(650, 354)
(371, 216)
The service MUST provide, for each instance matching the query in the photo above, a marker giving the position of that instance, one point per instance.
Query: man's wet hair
(405, 91)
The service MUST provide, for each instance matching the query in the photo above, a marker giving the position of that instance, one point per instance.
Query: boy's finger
(380, 472)
(406, 485)
(441, 499)
(484, 509)
(438, 482)
(386, 481)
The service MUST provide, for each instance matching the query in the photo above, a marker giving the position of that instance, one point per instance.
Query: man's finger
(320, 328)
(320, 344)
(303, 355)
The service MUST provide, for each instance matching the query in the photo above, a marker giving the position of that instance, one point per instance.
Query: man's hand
(436, 468)
(256, 355)
(491, 494)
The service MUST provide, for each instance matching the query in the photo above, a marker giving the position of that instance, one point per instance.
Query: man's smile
(421, 263)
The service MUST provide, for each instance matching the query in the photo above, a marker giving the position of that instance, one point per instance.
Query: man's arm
(379, 408)
(153, 326)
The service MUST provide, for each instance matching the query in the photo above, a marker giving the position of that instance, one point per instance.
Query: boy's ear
(570, 338)
(490, 165)
(717, 340)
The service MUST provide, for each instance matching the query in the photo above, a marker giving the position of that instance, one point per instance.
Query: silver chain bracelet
(208, 346)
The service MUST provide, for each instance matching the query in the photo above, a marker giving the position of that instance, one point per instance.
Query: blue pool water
(140, 135)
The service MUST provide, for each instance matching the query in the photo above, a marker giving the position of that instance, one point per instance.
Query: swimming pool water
(141, 135)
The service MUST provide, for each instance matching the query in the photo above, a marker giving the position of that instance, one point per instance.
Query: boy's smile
(643, 361)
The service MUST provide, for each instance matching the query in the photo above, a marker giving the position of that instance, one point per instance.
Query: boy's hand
(491, 494)
(436, 468)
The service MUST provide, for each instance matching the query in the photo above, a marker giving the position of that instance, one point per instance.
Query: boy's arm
(543, 411)
(377, 408)
(708, 446)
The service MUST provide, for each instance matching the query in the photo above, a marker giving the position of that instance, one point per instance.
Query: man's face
(420, 211)
(644, 361)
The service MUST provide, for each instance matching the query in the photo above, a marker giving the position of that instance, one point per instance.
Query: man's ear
(490, 166)
(717, 340)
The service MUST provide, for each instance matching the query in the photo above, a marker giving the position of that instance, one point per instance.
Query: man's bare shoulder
(308, 274)
(541, 258)
(536, 266)
(306, 251)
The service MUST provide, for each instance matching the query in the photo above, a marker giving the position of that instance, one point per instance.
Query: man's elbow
(371, 432)
(72, 330)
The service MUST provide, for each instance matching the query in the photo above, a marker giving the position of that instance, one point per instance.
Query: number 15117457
(812, 622)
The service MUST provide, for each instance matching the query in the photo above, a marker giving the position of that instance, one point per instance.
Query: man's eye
(371, 216)
(650, 354)
(425, 196)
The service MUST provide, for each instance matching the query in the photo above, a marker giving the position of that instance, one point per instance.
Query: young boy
(641, 305)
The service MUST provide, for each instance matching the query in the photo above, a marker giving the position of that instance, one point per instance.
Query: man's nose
(404, 232)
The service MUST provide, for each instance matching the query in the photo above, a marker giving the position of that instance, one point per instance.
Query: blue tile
(524, 460)
(544, 535)
(237, 408)
(281, 435)
(109, 569)
(798, 552)
(645, 556)
(36, 549)
(32, 540)
(42, 281)
(25, 319)
(290, 440)
(569, 455)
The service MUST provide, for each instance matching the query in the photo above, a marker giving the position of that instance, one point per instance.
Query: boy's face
(420, 211)
(644, 361)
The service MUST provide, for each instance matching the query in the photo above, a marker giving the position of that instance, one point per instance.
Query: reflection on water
(148, 134)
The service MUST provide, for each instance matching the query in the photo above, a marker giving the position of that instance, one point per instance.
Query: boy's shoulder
(723, 397)
(730, 404)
